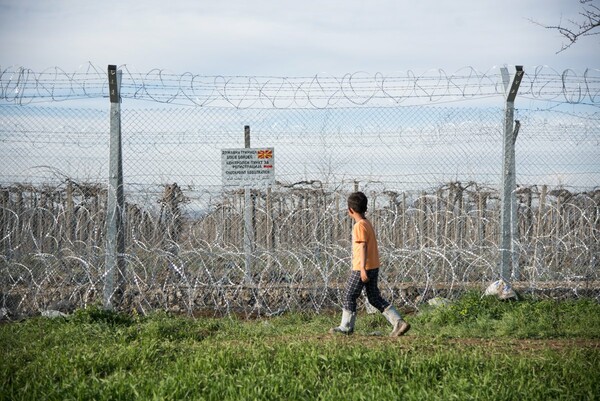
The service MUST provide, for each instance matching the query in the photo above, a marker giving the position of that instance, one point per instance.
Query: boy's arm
(362, 257)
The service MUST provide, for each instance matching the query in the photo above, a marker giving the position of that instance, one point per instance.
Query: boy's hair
(357, 201)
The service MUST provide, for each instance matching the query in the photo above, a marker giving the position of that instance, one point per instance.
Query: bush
(97, 314)
(474, 315)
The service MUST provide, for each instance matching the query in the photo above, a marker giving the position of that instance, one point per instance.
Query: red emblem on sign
(265, 154)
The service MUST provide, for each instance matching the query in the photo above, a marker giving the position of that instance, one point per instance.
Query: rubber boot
(347, 325)
(399, 326)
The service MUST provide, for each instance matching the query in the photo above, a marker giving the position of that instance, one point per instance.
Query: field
(473, 349)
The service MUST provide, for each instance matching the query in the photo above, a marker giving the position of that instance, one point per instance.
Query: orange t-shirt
(363, 232)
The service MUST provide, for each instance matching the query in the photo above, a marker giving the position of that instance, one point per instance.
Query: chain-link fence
(432, 174)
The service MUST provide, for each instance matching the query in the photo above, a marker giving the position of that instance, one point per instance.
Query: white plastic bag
(501, 289)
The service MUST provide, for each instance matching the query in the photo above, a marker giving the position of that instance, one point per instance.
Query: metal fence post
(115, 238)
(508, 215)
(248, 219)
(514, 215)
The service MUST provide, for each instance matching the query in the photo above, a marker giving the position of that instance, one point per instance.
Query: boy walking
(365, 271)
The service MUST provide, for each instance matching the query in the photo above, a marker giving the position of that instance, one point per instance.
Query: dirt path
(491, 344)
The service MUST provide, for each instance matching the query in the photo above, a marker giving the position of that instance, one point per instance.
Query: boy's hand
(362, 257)
(363, 276)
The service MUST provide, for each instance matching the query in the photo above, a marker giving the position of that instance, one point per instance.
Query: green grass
(473, 349)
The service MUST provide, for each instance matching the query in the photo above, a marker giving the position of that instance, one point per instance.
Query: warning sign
(248, 167)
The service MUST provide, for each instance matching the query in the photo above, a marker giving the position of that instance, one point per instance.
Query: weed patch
(480, 349)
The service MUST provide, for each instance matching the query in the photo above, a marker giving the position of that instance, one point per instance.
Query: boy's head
(357, 201)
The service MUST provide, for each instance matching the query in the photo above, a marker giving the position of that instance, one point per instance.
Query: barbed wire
(434, 244)
(21, 85)
(435, 239)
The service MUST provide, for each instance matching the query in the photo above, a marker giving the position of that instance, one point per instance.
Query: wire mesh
(432, 175)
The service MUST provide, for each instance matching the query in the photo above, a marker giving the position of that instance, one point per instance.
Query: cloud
(287, 38)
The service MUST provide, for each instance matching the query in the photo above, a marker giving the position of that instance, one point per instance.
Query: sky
(290, 38)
